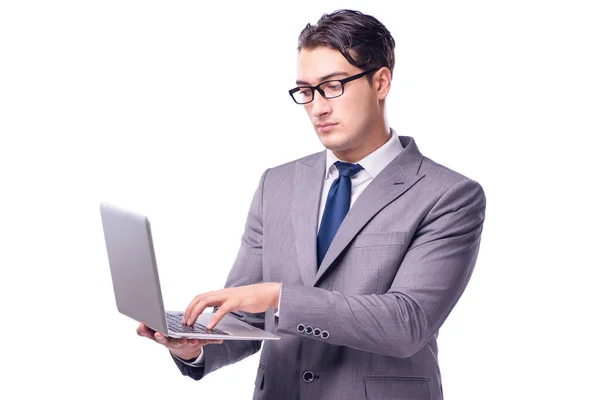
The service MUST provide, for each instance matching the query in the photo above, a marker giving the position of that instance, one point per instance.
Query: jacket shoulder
(442, 175)
(289, 167)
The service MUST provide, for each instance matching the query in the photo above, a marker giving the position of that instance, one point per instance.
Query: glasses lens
(304, 95)
(332, 89)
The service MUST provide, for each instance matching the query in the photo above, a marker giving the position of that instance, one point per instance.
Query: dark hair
(362, 39)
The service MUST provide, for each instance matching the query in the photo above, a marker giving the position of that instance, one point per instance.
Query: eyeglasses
(328, 89)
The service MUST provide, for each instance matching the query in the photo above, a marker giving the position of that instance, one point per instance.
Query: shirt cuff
(196, 363)
(279, 303)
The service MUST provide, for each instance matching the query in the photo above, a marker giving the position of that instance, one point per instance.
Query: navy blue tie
(336, 207)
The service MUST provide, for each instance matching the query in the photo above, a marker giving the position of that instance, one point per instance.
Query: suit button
(300, 328)
(317, 332)
(308, 376)
(324, 334)
(308, 329)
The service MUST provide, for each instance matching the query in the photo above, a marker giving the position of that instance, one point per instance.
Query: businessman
(354, 255)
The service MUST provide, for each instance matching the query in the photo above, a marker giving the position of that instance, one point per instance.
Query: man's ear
(382, 82)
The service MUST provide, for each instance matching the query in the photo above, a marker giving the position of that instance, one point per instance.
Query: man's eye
(334, 86)
(305, 92)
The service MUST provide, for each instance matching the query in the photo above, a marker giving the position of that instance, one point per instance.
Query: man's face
(344, 124)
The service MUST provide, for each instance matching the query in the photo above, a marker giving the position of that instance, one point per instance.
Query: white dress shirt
(372, 165)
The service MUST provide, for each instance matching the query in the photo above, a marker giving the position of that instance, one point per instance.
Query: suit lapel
(395, 179)
(309, 175)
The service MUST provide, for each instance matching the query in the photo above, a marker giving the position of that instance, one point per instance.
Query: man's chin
(333, 141)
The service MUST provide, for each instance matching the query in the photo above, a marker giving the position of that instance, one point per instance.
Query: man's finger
(196, 311)
(190, 307)
(177, 342)
(213, 341)
(143, 330)
(160, 338)
(201, 306)
(218, 316)
(167, 341)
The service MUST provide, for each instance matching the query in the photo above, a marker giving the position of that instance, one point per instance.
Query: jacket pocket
(397, 387)
(259, 382)
(379, 239)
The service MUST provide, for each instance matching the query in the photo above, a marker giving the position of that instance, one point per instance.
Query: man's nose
(320, 105)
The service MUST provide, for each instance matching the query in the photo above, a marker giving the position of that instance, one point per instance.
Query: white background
(176, 108)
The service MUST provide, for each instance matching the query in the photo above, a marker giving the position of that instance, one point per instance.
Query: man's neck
(376, 140)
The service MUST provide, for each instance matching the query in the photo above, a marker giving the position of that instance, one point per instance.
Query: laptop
(137, 288)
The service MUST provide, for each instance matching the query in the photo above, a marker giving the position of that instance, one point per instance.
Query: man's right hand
(186, 349)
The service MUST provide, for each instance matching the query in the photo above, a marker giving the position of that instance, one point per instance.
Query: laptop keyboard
(174, 324)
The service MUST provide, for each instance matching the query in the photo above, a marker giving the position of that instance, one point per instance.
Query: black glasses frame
(322, 92)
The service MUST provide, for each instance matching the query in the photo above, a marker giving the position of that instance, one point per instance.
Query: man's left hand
(252, 298)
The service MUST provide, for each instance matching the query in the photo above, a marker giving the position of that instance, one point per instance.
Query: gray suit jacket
(364, 326)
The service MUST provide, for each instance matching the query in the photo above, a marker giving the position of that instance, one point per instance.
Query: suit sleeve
(246, 270)
(431, 278)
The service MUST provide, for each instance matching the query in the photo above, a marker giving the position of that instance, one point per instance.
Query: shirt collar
(375, 162)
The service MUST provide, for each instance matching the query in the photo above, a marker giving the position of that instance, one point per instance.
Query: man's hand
(185, 349)
(252, 298)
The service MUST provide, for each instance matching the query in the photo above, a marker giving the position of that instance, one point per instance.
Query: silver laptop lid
(133, 266)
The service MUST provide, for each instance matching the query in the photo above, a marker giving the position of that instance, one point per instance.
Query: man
(354, 255)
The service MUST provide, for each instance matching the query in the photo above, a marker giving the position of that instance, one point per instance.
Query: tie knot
(347, 169)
